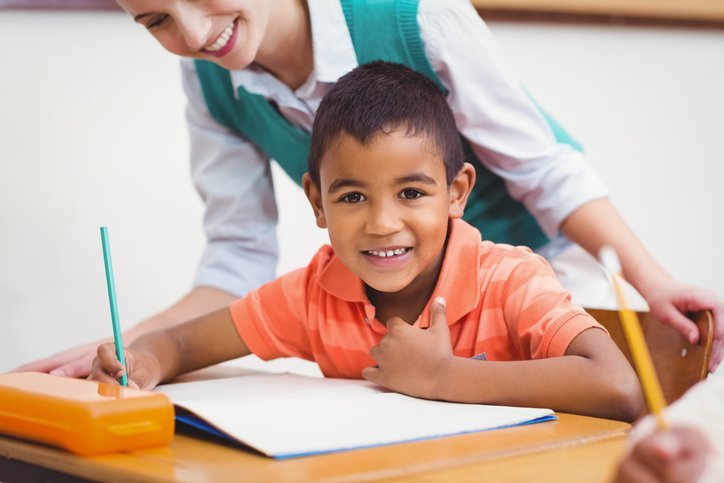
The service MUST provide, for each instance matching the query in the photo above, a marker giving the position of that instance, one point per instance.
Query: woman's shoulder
(456, 12)
(463, 7)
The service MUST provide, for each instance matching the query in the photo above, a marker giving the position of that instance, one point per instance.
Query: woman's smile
(224, 43)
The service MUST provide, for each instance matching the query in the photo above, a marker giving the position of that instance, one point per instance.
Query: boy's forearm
(197, 302)
(207, 340)
(163, 347)
(567, 384)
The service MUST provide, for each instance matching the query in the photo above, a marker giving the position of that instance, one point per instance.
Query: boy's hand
(408, 359)
(671, 300)
(144, 370)
(675, 456)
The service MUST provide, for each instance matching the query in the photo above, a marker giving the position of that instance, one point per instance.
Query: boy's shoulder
(469, 257)
(504, 258)
(465, 244)
(503, 250)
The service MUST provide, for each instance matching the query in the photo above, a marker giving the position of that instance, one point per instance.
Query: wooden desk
(592, 463)
(539, 452)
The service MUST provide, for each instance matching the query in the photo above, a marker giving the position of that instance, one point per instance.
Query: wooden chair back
(679, 364)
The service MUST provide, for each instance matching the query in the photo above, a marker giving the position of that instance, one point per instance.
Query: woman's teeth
(387, 253)
(223, 39)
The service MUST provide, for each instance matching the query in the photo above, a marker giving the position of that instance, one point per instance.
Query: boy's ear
(460, 189)
(315, 199)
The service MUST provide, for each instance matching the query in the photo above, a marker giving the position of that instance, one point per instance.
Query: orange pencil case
(85, 417)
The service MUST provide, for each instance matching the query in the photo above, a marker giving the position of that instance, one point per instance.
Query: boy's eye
(411, 194)
(157, 21)
(353, 198)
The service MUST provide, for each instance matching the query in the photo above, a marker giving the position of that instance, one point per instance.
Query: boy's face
(386, 206)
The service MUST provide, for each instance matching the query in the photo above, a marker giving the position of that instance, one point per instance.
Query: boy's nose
(383, 221)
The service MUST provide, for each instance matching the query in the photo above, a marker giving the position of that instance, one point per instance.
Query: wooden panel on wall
(60, 4)
(705, 11)
(668, 11)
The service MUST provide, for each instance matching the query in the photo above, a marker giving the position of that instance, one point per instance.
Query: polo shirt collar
(459, 281)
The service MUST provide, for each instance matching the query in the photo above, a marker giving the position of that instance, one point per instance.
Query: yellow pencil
(635, 339)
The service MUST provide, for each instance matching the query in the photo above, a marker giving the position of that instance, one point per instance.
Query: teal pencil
(112, 301)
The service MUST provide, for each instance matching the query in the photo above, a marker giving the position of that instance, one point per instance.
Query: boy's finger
(438, 316)
(375, 353)
(99, 374)
(395, 323)
(108, 358)
(372, 374)
(102, 377)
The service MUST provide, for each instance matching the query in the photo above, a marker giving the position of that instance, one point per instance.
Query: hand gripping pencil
(635, 339)
(112, 301)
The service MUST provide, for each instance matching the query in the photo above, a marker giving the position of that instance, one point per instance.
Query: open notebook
(289, 415)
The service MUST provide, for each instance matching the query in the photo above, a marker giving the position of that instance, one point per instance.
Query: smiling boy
(387, 179)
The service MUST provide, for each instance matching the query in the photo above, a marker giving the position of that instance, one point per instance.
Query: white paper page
(285, 415)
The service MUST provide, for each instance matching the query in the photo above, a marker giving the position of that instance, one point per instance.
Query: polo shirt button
(367, 320)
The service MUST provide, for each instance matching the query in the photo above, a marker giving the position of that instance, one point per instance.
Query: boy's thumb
(437, 313)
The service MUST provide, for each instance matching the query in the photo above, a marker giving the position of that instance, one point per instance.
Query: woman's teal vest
(380, 30)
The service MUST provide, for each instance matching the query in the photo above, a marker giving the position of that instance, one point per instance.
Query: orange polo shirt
(503, 301)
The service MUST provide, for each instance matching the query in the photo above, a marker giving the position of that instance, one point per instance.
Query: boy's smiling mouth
(390, 252)
(387, 257)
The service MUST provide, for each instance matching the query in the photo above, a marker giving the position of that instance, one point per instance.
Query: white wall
(92, 133)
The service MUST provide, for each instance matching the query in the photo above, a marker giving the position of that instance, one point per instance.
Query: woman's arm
(511, 138)
(76, 362)
(597, 223)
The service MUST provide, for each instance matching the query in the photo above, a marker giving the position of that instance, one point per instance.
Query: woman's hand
(74, 362)
(670, 301)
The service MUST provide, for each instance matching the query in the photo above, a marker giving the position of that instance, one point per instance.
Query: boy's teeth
(387, 253)
(223, 39)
